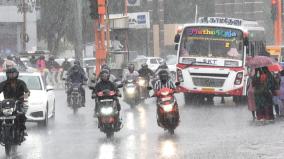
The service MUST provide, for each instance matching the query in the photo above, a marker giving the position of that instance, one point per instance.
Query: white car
(89, 65)
(152, 62)
(172, 62)
(41, 103)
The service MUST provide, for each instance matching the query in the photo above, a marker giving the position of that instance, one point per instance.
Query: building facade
(12, 26)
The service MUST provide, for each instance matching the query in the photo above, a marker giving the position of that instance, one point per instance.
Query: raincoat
(263, 87)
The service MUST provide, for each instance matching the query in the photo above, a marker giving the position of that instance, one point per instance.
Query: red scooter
(167, 109)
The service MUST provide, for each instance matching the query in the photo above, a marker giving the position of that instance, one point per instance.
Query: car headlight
(8, 112)
(107, 111)
(130, 90)
(141, 82)
(168, 107)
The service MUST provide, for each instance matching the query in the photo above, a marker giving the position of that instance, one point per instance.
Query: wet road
(205, 132)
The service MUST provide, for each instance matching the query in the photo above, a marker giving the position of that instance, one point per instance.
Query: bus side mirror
(246, 41)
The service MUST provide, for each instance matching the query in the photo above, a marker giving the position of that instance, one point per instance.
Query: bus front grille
(208, 82)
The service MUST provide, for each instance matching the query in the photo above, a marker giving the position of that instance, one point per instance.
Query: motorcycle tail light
(111, 93)
(100, 94)
(165, 93)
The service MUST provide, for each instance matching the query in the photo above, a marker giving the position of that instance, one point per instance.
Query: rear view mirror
(119, 86)
(149, 88)
(49, 88)
(177, 83)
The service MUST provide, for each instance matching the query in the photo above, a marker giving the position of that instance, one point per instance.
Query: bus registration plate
(208, 89)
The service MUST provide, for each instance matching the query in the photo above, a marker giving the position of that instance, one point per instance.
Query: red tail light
(100, 94)
(239, 78)
(111, 93)
(179, 76)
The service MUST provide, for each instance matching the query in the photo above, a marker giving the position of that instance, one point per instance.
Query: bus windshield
(212, 42)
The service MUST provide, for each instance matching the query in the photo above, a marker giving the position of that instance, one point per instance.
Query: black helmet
(131, 67)
(42, 57)
(77, 62)
(104, 75)
(144, 65)
(76, 68)
(105, 66)
(164, 75)
(12, 73)
(9, 57)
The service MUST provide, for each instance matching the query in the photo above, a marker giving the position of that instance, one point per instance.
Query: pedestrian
(41, 66)
(53, 68)
(276, 92)
(281, 94)
(9, 63)
(33, 61)
(264, 84)
(251, 99)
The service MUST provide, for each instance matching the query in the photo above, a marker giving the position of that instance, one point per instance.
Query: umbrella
(259, 61)
(275, 67)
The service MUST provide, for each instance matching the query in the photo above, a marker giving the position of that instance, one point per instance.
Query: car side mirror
(149, 88)
(177, 83)
(49, 88)
(119, 85)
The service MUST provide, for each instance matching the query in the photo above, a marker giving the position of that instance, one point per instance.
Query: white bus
(212, 55)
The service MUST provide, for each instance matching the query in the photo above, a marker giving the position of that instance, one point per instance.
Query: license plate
(7, 118)
(208, 89)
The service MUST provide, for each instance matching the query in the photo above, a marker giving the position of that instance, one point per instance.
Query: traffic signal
(273, 10)
(94, 9)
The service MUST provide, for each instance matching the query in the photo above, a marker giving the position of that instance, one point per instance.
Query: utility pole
(78, 29)
(277, 20)
(24, 37)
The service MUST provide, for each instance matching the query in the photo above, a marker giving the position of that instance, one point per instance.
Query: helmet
(164, 65)
(144, 65)
(9, 57)
(105, 66)
(76, 68)
(42, 57)
(164, 76)
(51, 58)
(104, 75)
(131, 67)
(12, 73)
(77, 62)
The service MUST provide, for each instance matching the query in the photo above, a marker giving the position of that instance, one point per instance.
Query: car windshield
(212, 42)
(32, 82)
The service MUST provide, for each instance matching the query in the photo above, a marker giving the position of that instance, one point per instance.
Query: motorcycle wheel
(8, 149)
(172, 131)
(109, 134)
(75, 109)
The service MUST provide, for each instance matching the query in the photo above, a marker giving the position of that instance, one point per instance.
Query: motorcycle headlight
(130, 90)
(141, 82)
(107, 111)
(168, 107)
(8, 112)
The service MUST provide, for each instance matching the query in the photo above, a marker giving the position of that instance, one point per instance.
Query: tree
(56, 17)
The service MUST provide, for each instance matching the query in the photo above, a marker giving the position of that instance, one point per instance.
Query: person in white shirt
(116, 45)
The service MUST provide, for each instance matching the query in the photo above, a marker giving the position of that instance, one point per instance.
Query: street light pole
(24, 34)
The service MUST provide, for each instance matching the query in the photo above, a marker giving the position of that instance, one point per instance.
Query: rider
(163, 66)
(131, 73)
(76, 75)
(105, 84)
(164, 81)
(145, 72)
(14, 88)
(66, 65)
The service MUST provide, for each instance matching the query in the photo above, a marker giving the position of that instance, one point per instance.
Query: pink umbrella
(259, 61)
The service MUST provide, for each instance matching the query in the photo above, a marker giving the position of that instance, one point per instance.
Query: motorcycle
(10, 134)
(167, 109)
(142, 86)
(108, 114)
(76, 97)
(131, 93)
